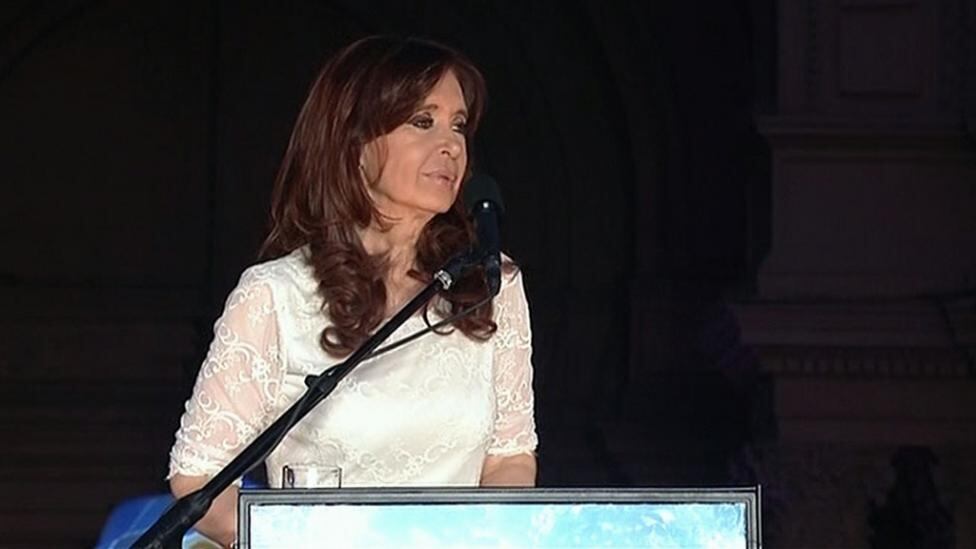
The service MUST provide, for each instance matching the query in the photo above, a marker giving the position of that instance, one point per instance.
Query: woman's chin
(441, 202)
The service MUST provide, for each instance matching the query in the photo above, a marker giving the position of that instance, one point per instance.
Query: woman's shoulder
(511, 298)
(291, 271)
(511, 274)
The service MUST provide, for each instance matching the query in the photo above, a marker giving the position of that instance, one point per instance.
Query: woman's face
(417, 168)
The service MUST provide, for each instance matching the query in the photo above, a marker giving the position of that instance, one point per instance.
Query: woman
(366, 207)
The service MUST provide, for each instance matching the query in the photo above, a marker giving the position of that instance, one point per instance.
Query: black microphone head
(482, 188)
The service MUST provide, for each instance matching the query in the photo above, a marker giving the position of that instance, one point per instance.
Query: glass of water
(311, 475)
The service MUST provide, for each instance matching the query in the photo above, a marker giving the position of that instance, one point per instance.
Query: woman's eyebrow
(434, 107)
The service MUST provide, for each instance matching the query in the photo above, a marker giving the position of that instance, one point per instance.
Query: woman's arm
(220, 522)
(517, 470)
(510, 457)
(232, 399)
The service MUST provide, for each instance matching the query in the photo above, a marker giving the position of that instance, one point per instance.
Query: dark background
(746, 228)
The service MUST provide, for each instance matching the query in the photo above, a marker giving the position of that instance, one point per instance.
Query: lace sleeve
(237, 385)
(515, 416)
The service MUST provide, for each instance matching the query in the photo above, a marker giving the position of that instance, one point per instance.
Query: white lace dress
(425, 414)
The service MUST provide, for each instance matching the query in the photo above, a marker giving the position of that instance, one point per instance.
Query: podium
(720, 518)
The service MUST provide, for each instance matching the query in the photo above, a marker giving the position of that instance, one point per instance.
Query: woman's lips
(445, 177)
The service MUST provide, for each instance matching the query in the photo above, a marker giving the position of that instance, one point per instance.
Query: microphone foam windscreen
(482, 187)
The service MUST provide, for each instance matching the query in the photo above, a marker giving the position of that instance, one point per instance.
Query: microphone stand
(168, 531)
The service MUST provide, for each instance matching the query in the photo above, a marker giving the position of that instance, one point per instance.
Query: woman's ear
(371, 162)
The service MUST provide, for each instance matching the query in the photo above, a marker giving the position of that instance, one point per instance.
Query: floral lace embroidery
(236, 386)
(427, 413)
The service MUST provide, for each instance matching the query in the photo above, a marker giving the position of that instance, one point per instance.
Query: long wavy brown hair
(320, 199)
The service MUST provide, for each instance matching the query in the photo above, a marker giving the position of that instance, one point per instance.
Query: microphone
(484, 201)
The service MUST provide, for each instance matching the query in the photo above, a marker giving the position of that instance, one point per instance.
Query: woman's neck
(399, 244)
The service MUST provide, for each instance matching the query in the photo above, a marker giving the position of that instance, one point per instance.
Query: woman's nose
(452, 144)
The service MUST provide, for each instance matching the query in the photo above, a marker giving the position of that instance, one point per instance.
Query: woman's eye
(423, 122)
(461, 126)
